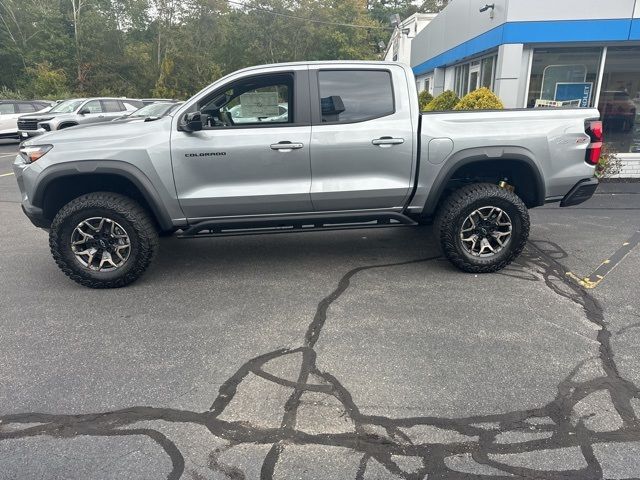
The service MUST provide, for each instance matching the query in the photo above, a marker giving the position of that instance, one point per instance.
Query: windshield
(67, 106)
(153, 110)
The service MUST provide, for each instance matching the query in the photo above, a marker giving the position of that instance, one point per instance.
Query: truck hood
(108, 133)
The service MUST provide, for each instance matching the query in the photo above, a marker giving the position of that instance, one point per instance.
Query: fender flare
(105, 167)
(479, 155)
(67, 125)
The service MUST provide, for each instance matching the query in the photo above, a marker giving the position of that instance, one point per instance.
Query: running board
(321, 222)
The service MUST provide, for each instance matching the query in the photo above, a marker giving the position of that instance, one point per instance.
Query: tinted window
(111, 106)
(355, 95)
(25, 108)
(93, 106)
(6, 108)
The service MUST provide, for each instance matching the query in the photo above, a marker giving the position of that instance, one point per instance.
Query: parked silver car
(78, 111)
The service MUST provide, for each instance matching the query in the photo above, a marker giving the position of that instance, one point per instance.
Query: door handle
(286, 146)
(386, 142)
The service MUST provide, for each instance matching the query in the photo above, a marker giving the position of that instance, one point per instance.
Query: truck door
(362, 138)
(252, 155)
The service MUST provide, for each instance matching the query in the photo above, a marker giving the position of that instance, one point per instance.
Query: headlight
(34, 152)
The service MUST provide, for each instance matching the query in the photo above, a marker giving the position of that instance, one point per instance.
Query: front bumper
(36, 215)
(25, 134)
(9, 134)
(581, 192)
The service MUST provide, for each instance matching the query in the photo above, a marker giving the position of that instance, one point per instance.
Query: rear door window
(7, 108)
(26, 108)
(111, 106)
(348, 96)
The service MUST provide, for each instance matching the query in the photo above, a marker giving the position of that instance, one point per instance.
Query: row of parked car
(22, 119)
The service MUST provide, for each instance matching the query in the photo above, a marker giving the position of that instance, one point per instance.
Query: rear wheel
(482, 227)
(103, 240)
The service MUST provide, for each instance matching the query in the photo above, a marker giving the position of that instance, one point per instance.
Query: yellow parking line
(596, 278)
(6, 174)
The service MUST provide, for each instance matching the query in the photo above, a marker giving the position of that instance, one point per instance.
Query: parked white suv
(10, 110)
(78, 111)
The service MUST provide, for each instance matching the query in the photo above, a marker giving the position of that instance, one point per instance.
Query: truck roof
(323, 62)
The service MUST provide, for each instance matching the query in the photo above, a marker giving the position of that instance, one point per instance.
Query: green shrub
(609, 164)
(481, 99)
(443, 102)
(424, 98)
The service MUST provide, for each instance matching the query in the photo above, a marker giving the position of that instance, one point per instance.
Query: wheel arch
(67, 125)
(522, 172)
(63, 182)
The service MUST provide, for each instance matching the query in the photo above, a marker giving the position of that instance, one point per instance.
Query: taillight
(594, 150)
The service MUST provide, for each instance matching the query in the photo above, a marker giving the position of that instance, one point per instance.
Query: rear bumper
(581, 192)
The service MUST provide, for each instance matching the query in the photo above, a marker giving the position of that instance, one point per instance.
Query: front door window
(257, 101)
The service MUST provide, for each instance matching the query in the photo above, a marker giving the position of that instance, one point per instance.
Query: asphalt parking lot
(358, 354)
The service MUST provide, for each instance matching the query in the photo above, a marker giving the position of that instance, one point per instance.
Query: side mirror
(84, 111)
(192, 122)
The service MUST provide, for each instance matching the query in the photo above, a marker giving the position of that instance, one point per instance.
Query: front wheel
(482, 227)
(103, 240)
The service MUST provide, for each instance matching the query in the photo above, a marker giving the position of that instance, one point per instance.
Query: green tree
(136, 47)
(433, 6)
(47, 82)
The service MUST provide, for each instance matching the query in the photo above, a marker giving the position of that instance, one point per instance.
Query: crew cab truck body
(353, 151)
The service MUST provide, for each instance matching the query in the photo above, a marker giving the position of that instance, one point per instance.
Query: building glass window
(619, 102)
(564, 77)
(488, 72)
(471, 76)
(462, 80)
(465, 83)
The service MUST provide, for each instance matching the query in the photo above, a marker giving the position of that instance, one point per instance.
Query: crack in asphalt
(382, 438)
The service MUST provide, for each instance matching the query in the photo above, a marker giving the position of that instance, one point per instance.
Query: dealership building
(540, 53)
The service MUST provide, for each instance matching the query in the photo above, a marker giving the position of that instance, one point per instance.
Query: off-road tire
(131, 216)
(459, 205)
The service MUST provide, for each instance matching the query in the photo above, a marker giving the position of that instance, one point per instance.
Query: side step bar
(291, 224)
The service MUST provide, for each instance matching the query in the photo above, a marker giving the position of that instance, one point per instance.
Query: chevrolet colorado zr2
(300, 147)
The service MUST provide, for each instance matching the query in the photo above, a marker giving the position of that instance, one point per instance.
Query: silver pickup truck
(351, 150)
